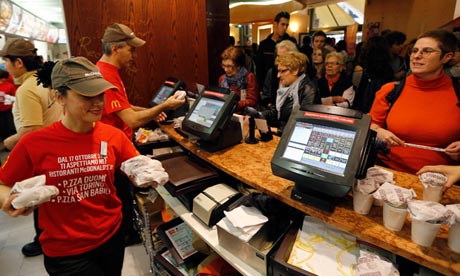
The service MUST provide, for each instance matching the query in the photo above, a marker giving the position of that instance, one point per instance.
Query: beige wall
(412, 17)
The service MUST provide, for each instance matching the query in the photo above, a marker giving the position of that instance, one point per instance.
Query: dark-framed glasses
(282, 71)
(227, 66)
(424, 52)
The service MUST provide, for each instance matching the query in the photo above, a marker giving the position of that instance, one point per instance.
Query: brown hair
(234, 53)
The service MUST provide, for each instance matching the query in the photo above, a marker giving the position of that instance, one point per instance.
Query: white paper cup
(394, 217)
(362, 202)
(454, 237)
(432, 193)
(423, 233)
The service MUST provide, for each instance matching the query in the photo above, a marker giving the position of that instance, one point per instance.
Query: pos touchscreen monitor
(324, 149)
(210, 119)
(169, 86)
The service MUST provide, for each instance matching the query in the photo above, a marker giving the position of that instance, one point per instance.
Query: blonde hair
(293, 60)
(286, 44)
(338, 55)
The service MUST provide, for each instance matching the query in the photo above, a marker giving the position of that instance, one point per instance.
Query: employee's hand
(10, 142)
(453, 150)
(389, 137)
(173, 103)
(161, 117)
(452, 173)
(10, 210)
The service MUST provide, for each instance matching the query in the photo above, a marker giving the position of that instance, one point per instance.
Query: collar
(21, 79)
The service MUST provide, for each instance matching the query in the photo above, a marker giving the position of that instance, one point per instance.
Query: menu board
(40, 30)
(6, 12)
(27, 24)
(15, 20)
(53, 34)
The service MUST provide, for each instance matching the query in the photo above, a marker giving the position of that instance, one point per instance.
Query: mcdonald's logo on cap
(115, 104)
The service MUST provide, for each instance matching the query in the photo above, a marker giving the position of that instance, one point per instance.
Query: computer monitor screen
(205, 113)
(162, 94)
(169, 86)
(210, 113)
(323, 147)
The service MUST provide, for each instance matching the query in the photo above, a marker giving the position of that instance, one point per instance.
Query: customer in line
(319, 56)
(375, 61)
(272, 81)
(238, 79)
(81, 226)
(119, 44)
(295, 90)
(34, 107)
(335, 88)
(425, 113)
(265, 56)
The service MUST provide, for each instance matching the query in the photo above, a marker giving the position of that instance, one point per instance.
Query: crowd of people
(409, 90)
(422, 73)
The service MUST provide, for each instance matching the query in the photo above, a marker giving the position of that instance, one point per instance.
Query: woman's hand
(338, 99)
(453, 150)
(9, 209)
(389, 137)
(452, 173)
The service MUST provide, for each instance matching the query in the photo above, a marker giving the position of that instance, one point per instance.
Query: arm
(452, 173)
(11, 141)
(137, 108)
(135, 119)
(308, 95)
(346, 100)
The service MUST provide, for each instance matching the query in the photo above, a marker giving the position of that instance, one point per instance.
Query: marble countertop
(251, 165)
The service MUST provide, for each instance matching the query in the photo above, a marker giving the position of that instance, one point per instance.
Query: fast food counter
(251, 165)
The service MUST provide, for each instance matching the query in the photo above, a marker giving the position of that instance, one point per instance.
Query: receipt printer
(210, 204)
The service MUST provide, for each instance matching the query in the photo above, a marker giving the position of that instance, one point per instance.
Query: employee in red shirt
(6, 116)
(81, 225)
(119, 44)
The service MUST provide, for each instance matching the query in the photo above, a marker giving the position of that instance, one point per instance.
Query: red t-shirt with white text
(87, 212)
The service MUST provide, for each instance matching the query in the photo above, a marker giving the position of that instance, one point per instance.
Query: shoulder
(108, 130)
(42, 134)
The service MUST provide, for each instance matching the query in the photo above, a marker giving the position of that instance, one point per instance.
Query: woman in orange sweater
(426, 112)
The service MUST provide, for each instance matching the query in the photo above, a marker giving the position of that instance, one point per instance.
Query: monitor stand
(313, 198)
(230, 136)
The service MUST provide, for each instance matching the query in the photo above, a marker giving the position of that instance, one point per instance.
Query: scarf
(285, 91)
(238, 80)
(332, 80)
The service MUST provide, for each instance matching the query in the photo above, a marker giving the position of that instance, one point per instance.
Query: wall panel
(176, 32)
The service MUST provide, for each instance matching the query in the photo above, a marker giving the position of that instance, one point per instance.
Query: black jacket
(265, 57)
(307, 95)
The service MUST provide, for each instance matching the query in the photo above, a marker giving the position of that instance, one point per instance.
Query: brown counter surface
(251, 165)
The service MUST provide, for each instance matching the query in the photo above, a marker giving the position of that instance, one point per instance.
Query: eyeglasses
(332, 63)
(423, 52)
(282, 71)
(227, 66)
